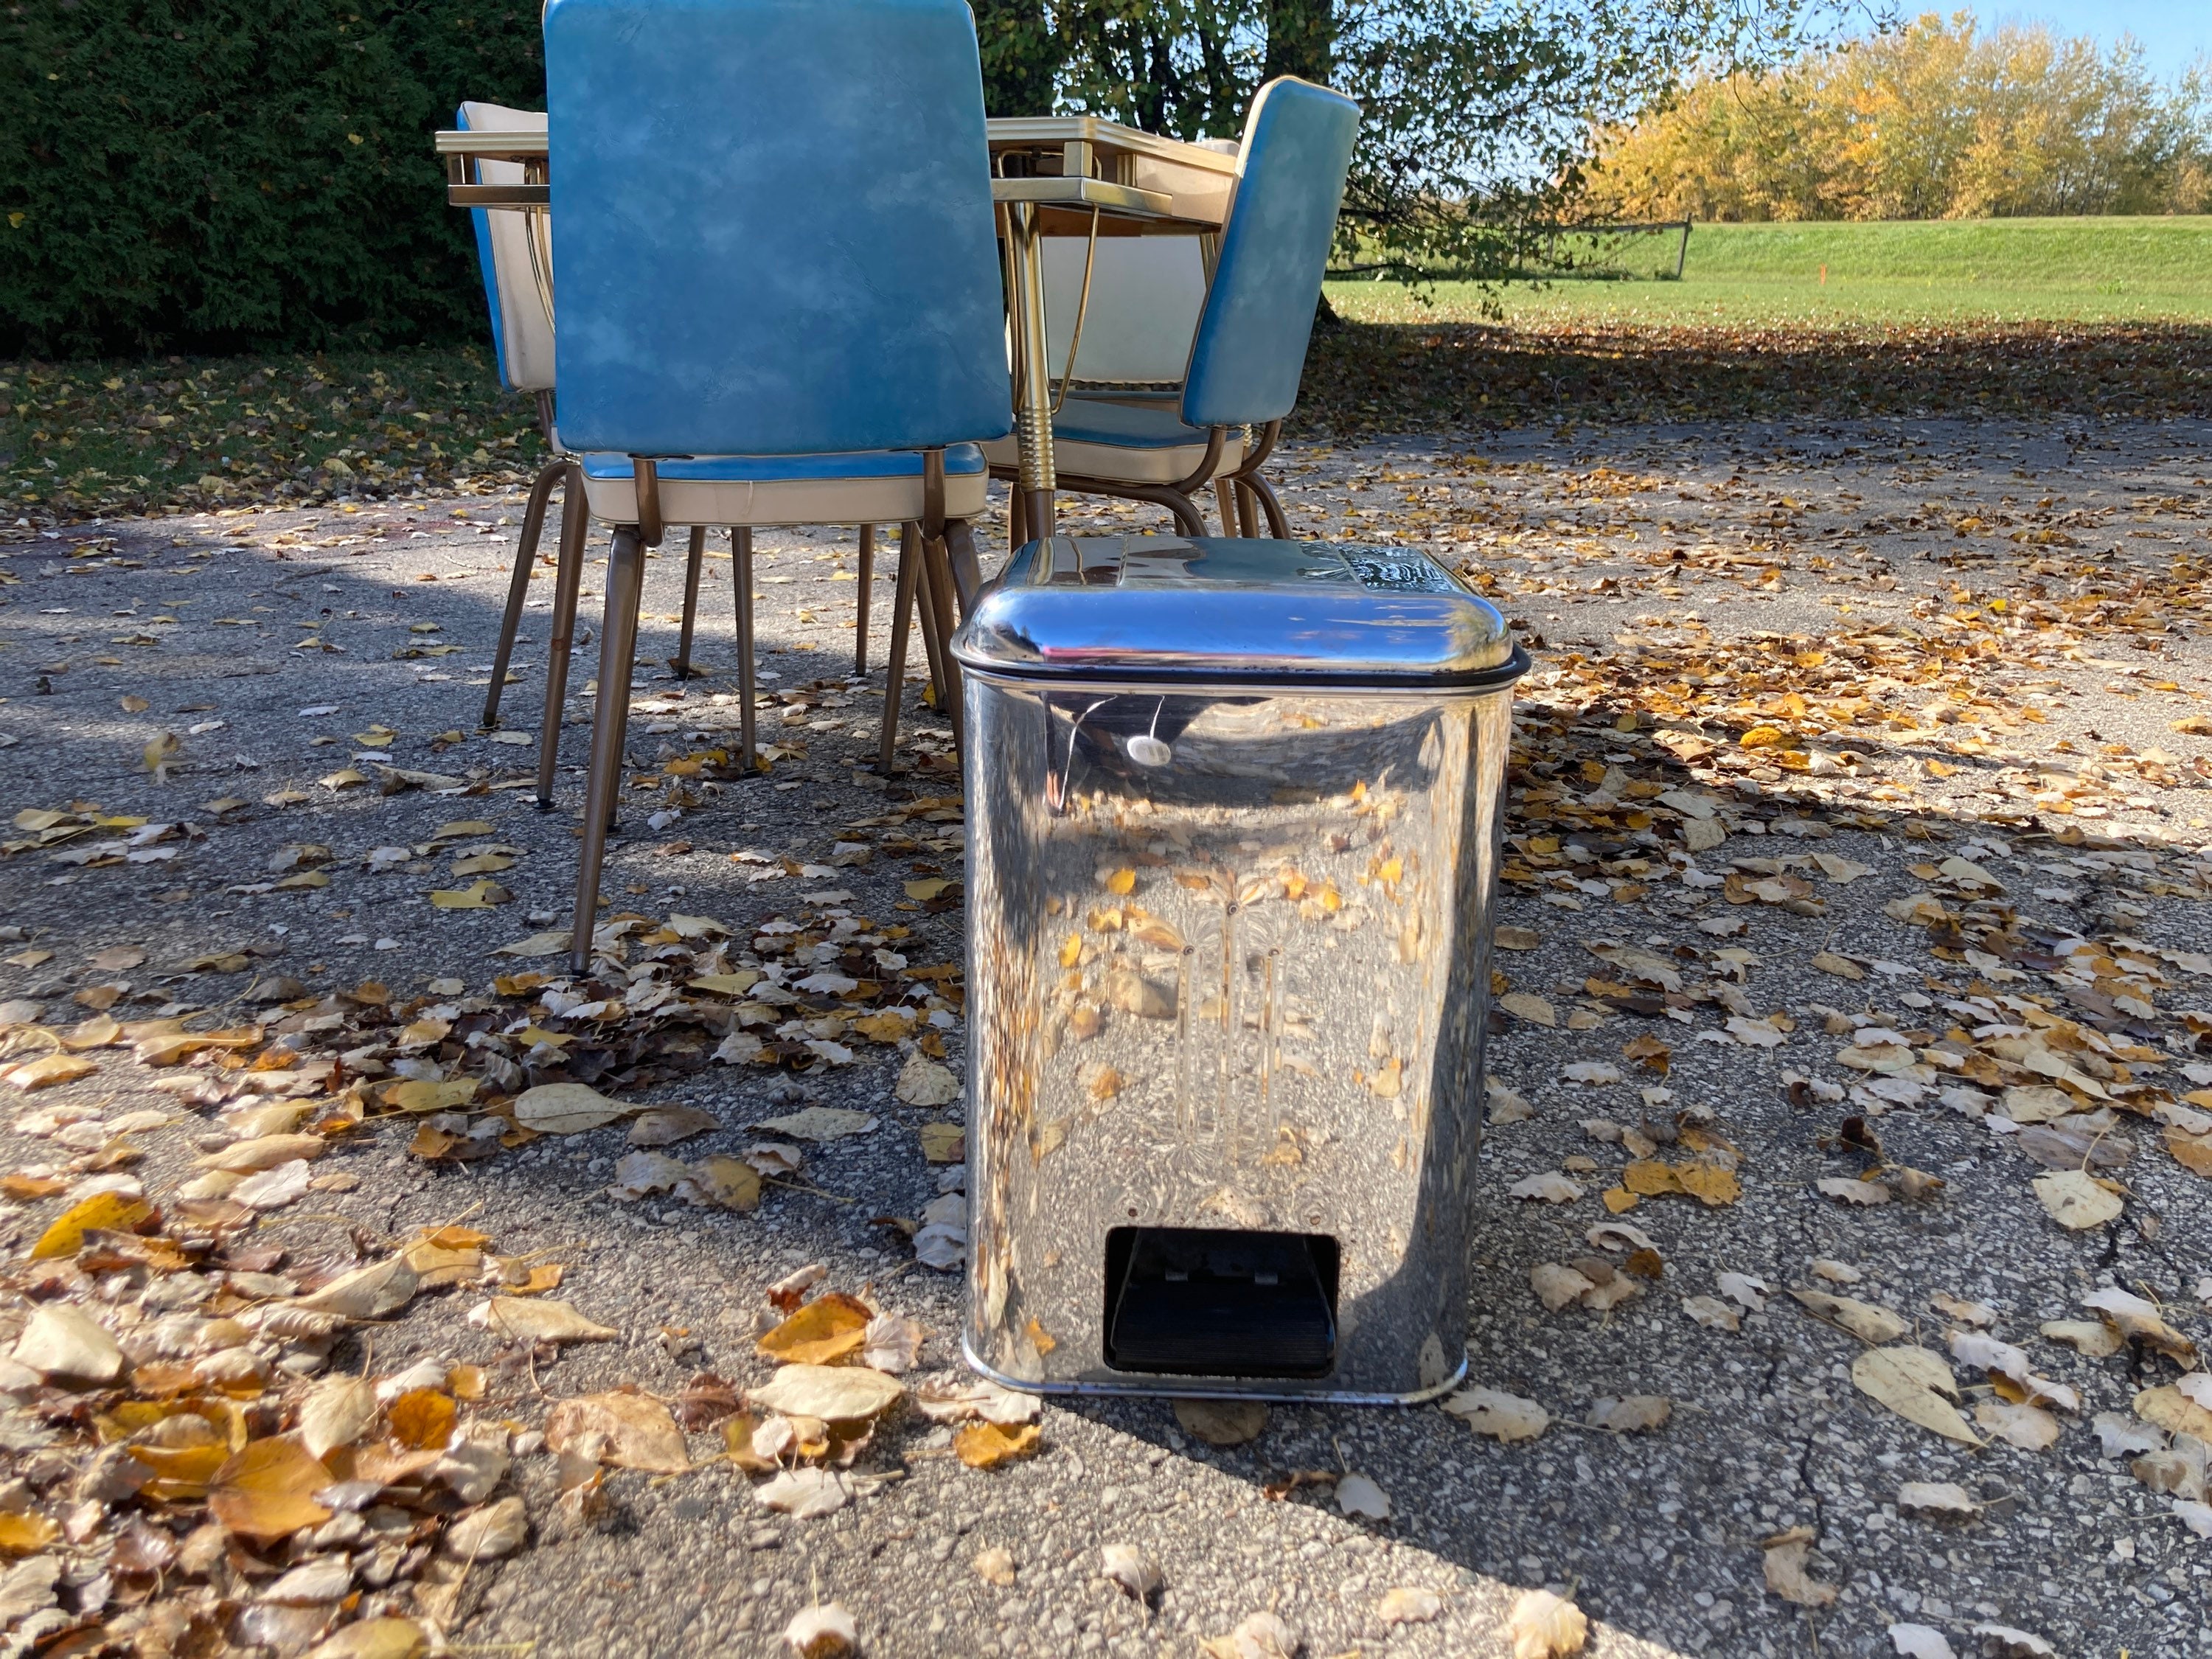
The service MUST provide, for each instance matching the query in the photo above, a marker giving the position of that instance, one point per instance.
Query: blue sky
(2171, 32)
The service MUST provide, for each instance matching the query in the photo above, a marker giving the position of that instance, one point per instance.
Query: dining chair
(515, 260)
(1249, 349)
(780, 300)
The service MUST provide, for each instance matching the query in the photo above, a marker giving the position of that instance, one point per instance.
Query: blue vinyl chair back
(776, 226)
(1250, 347)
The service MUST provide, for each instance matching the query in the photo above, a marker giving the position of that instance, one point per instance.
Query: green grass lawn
(1952, 271)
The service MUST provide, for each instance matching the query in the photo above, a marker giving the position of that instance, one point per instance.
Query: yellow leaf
(420, 1095)
(467, 1382)
(462, 829)
(926, 888)
(49, 1069)
(26, 1533)
(1121, 883)
(1071, 950)
(1619, 1199)
(107, 1213)
(943, 1143)
(729, 1182)
(422, 1419)
(267, 1491)
(476, 896)
(822, 1332)
(987, 1446)
(180, 1474)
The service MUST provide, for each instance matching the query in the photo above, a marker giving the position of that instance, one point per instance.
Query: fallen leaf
(1359, 1497)
(267, 1491)
(48, 1070)
(1527, 1004)
(1409, 1605)
(336, 1414)
(1544, 1626)
(1549, 1186)
(1223, 1422)
(2029, 1427)
(1786, 1555)
(836, 1393)
(729, 1182)
(987, 1446)
(1505, 1418)
(805, 1494)
(62, 1341)
(635, 1432)
(110, 1212)
(1864, 1320)
(824, 1331)
(943, 1143)
(26, 1532)
(422, 1419)
(2138, 1321)
(1136, 1573)
(820, 1123)
(1934, 1500)
(924, 1082)
(1917, 1385)
(536, 1318)
(995, 1566)
(2076, 1200)
(489, 1534)
(663, 1125)
(824, 1631)
(565, 1108)
(1633, 1414)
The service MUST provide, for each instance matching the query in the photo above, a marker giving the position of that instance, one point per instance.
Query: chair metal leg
(518, 587)
(618, 643)
(930, 615)
(967, 565)
(867, 589)
(1018, 522)
(575, 527)
(910, 573)
(1247, 509)
(1225, 492)
(938, 593)
(697, 556)
(1278, 526)
(741, 578)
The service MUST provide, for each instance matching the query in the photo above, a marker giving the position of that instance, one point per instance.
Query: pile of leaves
(1369, 378)
(103, 439)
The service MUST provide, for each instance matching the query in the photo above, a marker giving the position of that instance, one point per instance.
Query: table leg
(1033, 407)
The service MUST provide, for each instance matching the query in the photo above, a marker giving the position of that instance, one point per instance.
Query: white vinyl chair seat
(1138, 443)
(760, 491)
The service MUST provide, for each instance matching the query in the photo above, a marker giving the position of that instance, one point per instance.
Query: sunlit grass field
(1943, 272)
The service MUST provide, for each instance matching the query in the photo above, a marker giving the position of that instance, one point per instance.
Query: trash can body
(1233, 813)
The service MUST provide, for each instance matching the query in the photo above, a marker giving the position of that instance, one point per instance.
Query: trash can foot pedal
(1197, 1302)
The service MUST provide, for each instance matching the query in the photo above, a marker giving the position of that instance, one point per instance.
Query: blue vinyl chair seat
(1147, 442)
(875, 486)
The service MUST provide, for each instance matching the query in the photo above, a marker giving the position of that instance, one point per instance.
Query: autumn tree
(1477, 114)
(1937, 120)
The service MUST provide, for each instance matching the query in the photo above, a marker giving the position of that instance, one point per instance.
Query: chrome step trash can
(1233, 819)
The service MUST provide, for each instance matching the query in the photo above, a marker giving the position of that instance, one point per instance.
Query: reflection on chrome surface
(1228, 958)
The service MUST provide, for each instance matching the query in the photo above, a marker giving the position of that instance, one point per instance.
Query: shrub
(219, 176)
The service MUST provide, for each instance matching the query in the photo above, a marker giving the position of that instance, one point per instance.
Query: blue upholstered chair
(1249, 347)
(776, 245)
(515, 260)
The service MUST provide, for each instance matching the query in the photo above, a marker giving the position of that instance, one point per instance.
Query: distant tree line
(1937, 120)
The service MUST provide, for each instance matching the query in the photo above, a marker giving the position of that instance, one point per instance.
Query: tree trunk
(1301, 39)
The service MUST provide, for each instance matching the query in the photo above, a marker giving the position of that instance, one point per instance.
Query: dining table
(1078, 176)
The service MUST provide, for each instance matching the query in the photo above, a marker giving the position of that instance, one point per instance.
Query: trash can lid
(1160, 608)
